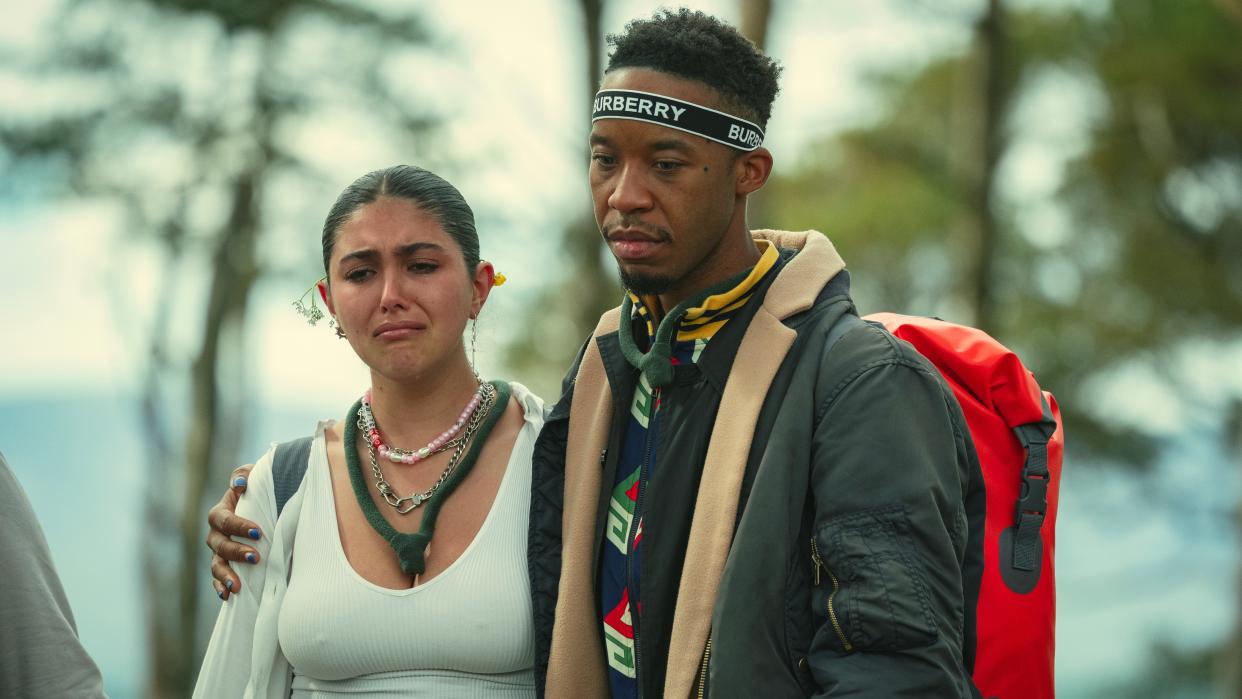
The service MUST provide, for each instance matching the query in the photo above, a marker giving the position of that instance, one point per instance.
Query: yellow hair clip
(499, 280)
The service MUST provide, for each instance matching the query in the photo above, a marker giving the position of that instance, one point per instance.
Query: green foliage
(1156, 197)
(1161, 183)
(273, 16)
(1153, 256)
(880, 193)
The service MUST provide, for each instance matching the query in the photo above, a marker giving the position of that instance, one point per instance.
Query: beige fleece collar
(576, 665)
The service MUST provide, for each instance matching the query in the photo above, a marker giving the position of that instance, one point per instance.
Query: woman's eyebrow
(361, 255)
(369, 254)
(412, 248)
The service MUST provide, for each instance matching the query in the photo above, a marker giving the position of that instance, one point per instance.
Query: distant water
(1131, 569)
(82, 463)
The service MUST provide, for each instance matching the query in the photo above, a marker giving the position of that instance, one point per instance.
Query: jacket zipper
(836, 587)
(629, 548)
(707, 654)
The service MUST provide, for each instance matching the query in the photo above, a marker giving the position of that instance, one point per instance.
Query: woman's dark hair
(424, 188)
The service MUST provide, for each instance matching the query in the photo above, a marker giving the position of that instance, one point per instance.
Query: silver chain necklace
(418, 498)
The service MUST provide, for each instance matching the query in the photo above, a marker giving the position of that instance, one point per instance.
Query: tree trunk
(590, 290)
(993, 94)
(756, 18)
(234, 269)
(593, 40)
(159, 517)
(1230, 659)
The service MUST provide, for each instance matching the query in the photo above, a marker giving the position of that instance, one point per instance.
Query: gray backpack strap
(288, 467)
(847, 322)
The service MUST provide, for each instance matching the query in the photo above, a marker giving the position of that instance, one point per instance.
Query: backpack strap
(843, 325)
(1022, 547)
(288, 468)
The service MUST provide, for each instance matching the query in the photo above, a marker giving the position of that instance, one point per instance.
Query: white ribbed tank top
(467, 632)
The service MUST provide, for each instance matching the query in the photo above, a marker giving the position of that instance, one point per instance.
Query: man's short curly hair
(697, 46)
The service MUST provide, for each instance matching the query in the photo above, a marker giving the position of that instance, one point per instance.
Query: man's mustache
(629, 222)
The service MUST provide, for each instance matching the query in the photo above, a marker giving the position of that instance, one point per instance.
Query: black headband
(677, 114)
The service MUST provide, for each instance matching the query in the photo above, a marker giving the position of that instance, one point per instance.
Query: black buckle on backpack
(1032, 498)
(1022, 548)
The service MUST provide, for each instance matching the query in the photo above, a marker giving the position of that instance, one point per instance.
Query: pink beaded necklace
(435, 446)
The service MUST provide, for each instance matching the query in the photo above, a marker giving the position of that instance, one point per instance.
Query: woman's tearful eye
(359, 274)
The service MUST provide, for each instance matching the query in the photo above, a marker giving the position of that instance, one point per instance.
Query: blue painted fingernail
(229, 585)
(240, 481)
(254, 534)
(250, 557)
(220, 594)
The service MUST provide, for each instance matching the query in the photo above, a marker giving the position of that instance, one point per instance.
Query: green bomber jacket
(824, 519)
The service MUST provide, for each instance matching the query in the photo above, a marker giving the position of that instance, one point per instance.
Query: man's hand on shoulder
(225, 524)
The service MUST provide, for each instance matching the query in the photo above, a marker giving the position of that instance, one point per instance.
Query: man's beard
(645, 284)
(641, 284)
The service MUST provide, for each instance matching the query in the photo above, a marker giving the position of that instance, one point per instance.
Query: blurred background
(1065, 174)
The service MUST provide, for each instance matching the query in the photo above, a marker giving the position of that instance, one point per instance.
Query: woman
(407, 574)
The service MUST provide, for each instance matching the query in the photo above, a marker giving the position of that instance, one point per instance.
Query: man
(743, 490)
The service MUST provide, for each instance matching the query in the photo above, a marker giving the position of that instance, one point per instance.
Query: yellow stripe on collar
(767, 258)
(702, 322)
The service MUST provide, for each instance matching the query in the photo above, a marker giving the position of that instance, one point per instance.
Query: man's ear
(484, 280)
(752, 170)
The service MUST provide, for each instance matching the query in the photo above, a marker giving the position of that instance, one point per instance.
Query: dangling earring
(311, 312)
(474, 336)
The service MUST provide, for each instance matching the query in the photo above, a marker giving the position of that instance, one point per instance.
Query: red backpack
(1017, 432)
